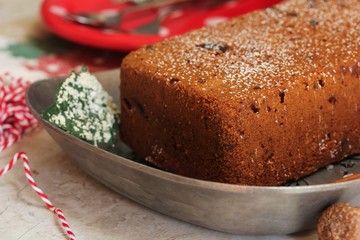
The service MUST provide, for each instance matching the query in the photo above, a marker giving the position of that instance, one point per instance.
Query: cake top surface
(84, 109)
(275, 47)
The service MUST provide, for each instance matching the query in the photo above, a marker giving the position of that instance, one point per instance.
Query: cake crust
(262, 99)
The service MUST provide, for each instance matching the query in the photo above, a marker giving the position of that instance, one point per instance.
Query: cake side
(163, 124)
(259, 100)
(290, 136)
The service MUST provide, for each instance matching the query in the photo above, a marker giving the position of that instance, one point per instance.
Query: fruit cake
(261, 99)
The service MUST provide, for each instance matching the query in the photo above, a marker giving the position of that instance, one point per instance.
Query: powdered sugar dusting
(84, 109)
(298, 39)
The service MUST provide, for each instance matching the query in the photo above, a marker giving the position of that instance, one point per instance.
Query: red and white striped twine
(42, 195)
(15, 120)
(15, 117)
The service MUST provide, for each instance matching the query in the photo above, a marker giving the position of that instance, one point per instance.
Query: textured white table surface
(92, 210)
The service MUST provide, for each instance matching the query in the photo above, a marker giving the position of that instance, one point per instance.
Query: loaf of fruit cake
(262, 99)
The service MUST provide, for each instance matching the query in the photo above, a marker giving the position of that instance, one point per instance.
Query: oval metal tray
(223, 207)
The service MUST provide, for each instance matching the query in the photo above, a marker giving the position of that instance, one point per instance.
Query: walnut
(339, 222)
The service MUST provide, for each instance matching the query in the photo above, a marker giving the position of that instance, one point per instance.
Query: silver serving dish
(223, 207)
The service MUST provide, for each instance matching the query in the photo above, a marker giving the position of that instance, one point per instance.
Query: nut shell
(338, 222)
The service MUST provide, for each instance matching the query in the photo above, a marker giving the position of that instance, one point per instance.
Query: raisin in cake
(262, 99)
